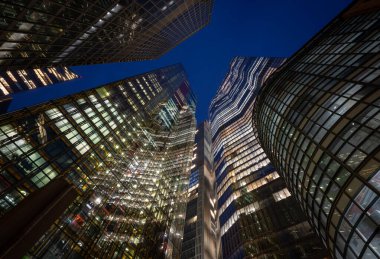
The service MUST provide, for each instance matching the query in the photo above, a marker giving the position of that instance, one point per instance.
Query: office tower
(318, 120)
(22, 80)
(200, 238)
(101, 173)
(258, 216)
(46, 33)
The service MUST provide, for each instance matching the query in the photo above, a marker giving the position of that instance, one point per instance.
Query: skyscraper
(46, 33)
(259, 218)
(103, 172)
(201, 237)
(318, 120)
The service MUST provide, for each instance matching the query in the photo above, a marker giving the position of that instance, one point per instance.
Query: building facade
(101, 173)
(47, 33)
(259, 218)
(201, 233)
(318, 120)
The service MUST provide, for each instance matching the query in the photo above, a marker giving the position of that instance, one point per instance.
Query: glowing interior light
(98, 201)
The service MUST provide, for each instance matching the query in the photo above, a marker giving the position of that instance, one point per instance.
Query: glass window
(324, 161)
(350, 254)
(353, 213)
(356, 158)
(375, 180)
(365, 197)
(366, 227)
(332, 168)
(359, 135)
(374, 212)
(333, 192)
(346, 106)
(342, 177)
(345, 229)
(374, 122)
(371, 143)
(321, 133)
(345, 151)
(353, 187)
(326, 114)
(340, 243)
(318, 197)
(369, 254)
(317, 175)
(375, 243)
(338, 254)
(324, 183)
(356, 244)
(326, 206)
(331, 121)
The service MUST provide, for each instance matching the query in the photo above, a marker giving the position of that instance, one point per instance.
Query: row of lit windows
(232, 141)
(223, 91)
(28, 82)
(250, 187)
(245, 76)
(243, 168)
(255, 206)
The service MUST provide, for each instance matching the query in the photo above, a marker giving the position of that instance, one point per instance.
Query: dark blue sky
(272, 28)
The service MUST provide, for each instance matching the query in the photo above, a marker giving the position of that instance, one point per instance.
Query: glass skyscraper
(46, 33)
(318, 120)
(259, 218)
(100, 173)
(201, 234)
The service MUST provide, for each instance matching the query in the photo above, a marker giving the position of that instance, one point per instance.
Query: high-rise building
(318, 120)
(22, 80)
(259, 218)
(102, 173)
(200, 238)
(51, 33)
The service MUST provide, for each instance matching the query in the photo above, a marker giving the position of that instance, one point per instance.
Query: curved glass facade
(258, 217)
(318, 120)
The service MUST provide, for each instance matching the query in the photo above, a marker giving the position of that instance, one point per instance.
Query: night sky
(270, 28)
